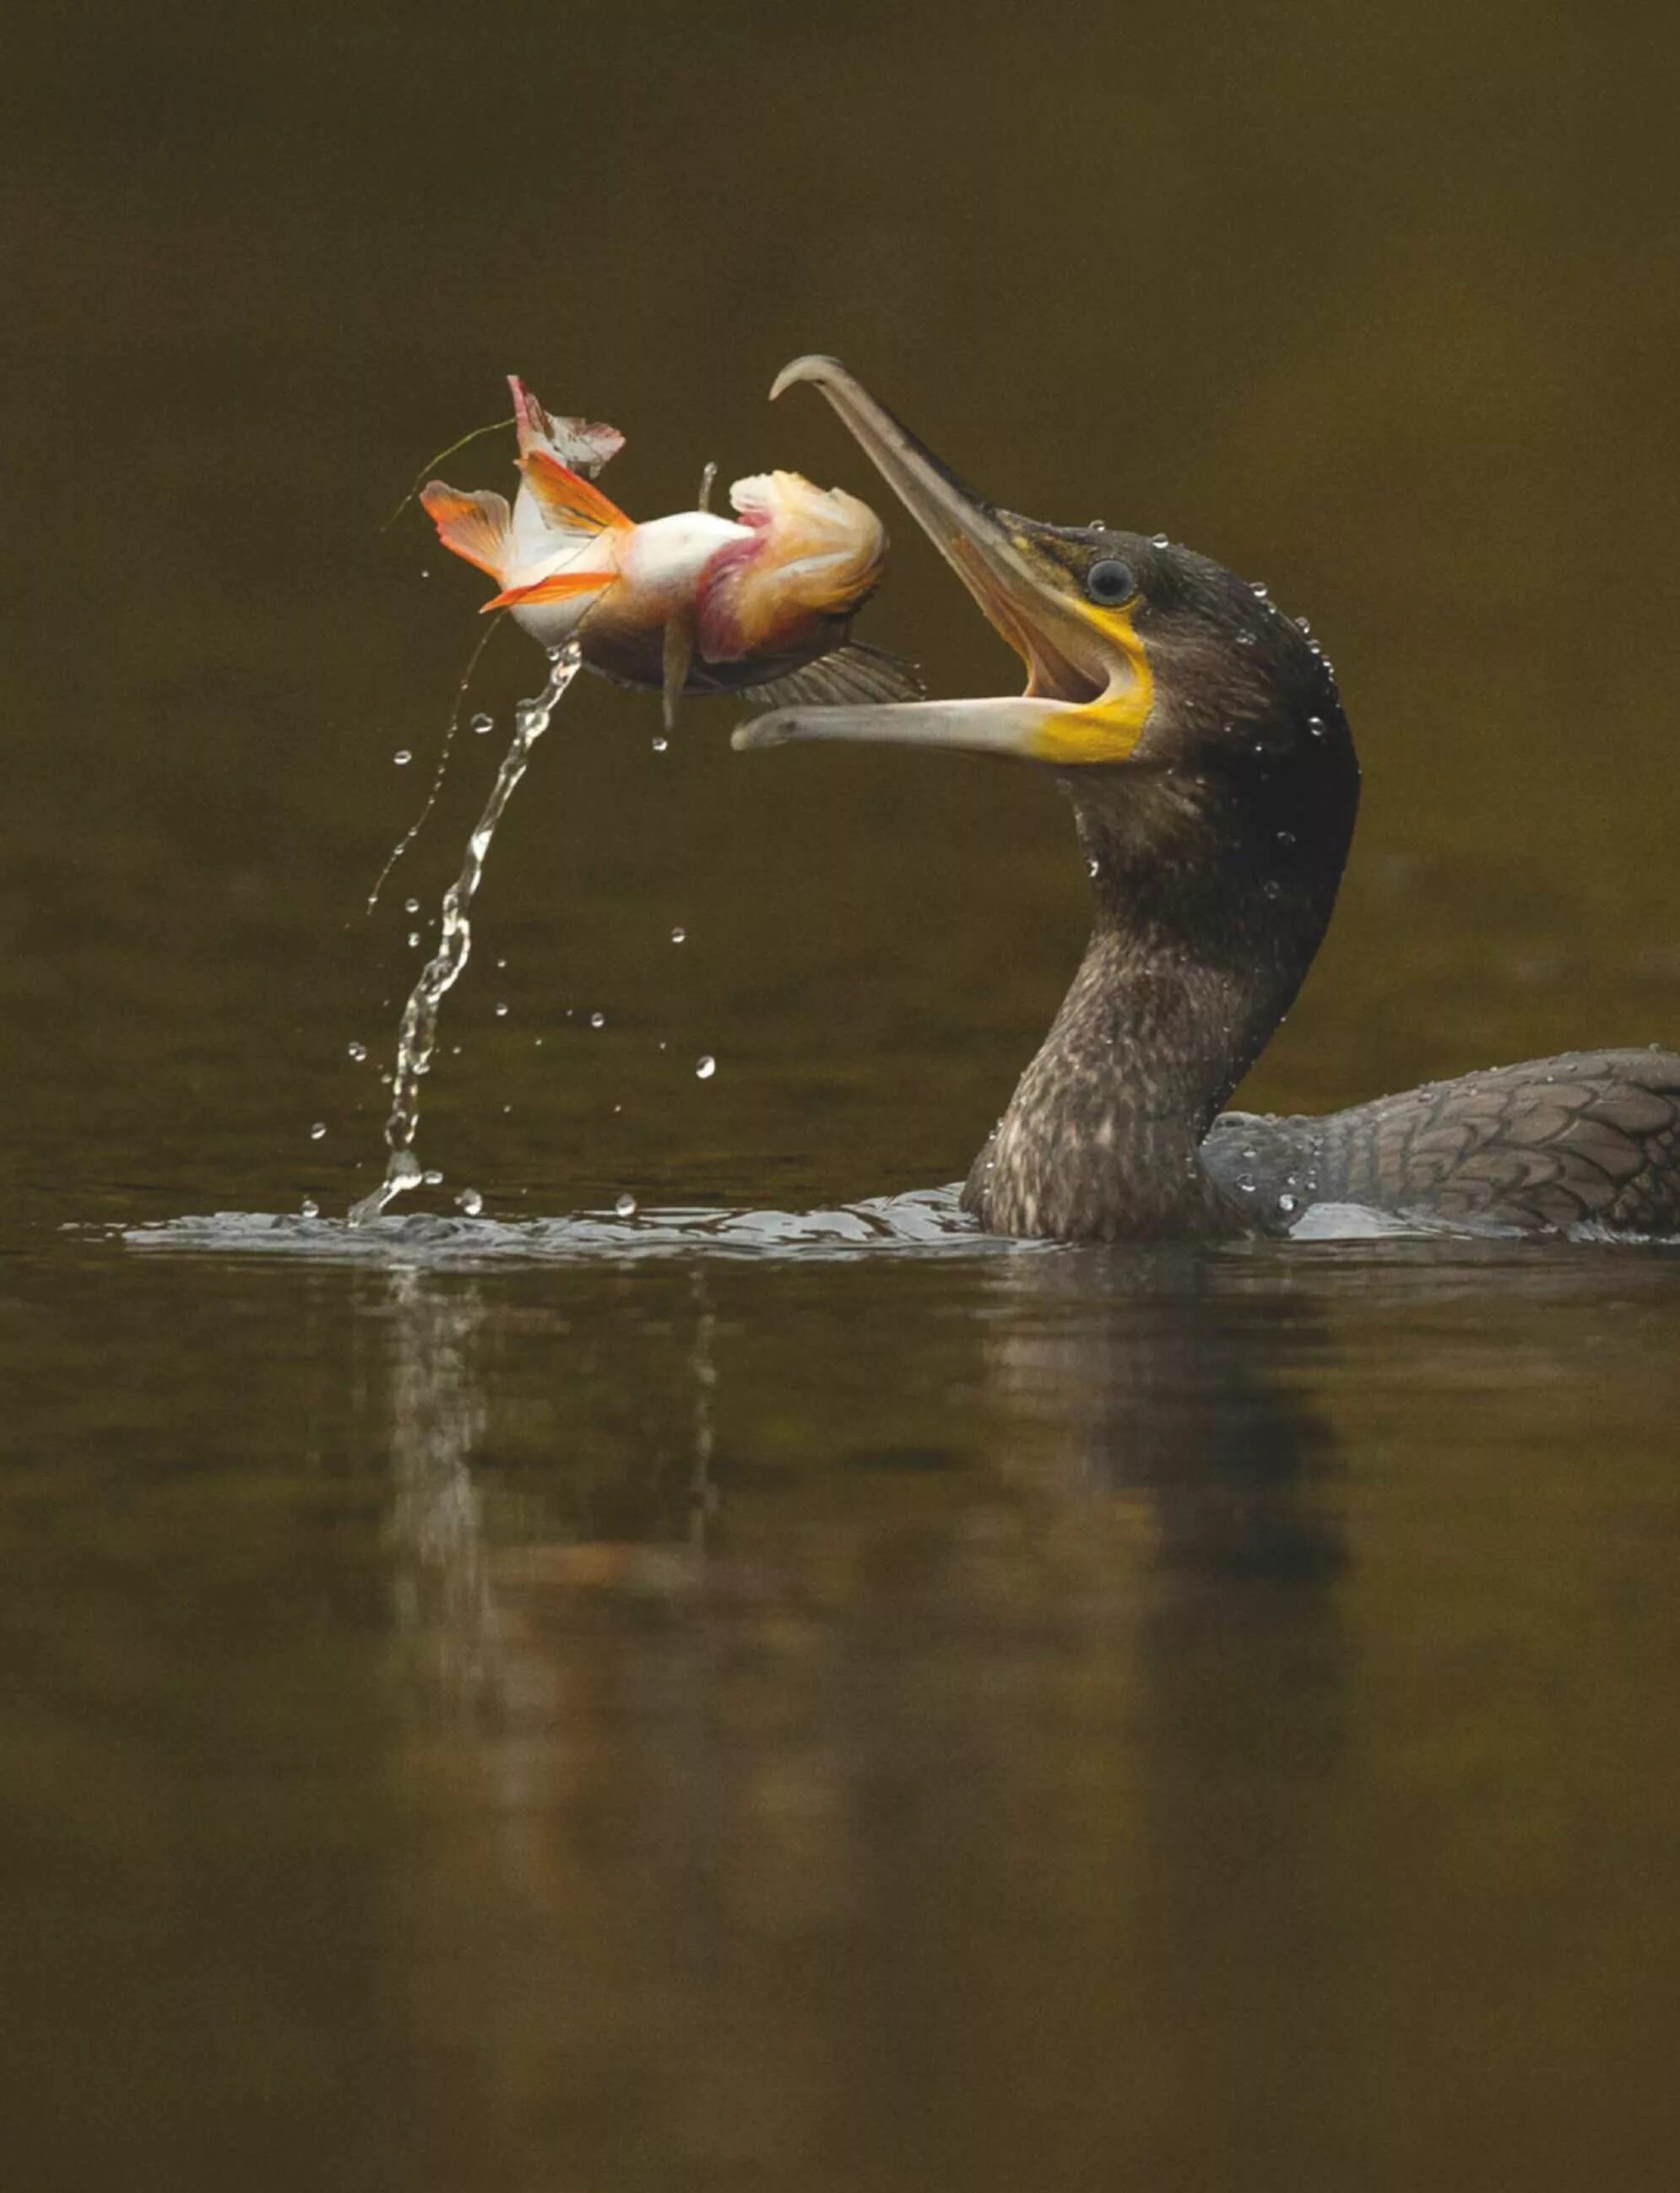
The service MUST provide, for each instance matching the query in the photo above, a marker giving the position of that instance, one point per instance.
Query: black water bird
(1202, 739)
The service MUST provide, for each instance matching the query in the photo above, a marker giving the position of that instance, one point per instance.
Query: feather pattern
(1589, 1139)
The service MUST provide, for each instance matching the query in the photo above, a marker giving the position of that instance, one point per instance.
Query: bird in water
(1201, 737)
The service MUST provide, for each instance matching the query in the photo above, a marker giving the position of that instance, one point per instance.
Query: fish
(758, 604)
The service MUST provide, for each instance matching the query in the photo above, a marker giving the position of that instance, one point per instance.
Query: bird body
(1200, 736)
(1588, 1142)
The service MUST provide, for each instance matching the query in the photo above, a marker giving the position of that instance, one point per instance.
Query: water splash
(417, 1036)
(480, 723)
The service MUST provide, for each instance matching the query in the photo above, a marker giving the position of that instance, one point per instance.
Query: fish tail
(476, 525)
(856, 672)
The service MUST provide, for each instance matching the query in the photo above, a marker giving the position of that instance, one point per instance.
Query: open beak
(1088, 682)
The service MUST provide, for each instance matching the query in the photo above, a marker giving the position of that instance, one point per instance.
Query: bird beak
(1088, 682)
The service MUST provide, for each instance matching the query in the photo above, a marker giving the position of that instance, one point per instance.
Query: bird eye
(1110, 581)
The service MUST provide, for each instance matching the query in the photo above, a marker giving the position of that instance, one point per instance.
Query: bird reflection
(1162, 1375)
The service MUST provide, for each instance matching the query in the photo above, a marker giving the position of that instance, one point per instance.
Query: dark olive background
(1196, 1720)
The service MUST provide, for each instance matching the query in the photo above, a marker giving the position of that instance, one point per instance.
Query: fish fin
(854, 673)
(583, 444)
(477, 525)
(678, 654)
(567, 501)
(559, 586)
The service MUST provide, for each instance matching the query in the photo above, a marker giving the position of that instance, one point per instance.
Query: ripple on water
(928, 1221)
(925, 1221)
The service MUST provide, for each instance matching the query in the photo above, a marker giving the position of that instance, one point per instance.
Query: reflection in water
(1164, 1385)
(752, 1796)
(1176, 1390)
(448, 1579)
(441, 1599)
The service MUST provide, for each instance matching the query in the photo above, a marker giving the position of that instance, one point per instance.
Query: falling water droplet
(1093, 867)
(309, 1208)
(1316, 725)
(470, 1201)
(359, 1051)
(706, 1066)
(414, 939)
(481, 724)
(402, 757)
(1273, 888)
(679, 934)
(626, 1205)
(318, 1132)
(597, 1020)
(661, 746)
(500, 1011)
(431, 1178)
(1160, 540)
(410, 905)
(1286, 1204)
(1247, 1183)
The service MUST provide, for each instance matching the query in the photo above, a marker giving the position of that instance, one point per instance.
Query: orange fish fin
(476, 526)
(561, 587)
(568, 501)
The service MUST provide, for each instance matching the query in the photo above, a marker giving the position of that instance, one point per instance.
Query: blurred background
(984, 1722)
(1385, 318)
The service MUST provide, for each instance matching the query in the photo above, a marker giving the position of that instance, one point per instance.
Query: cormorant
(1200, 736)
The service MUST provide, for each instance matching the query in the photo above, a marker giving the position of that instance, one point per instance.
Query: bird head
(1138, 654)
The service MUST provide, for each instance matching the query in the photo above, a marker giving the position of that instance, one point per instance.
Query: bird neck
(1209, 913)
(1100, 1138)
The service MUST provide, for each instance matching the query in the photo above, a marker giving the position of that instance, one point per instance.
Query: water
(748, 1697)
(417, 1033)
